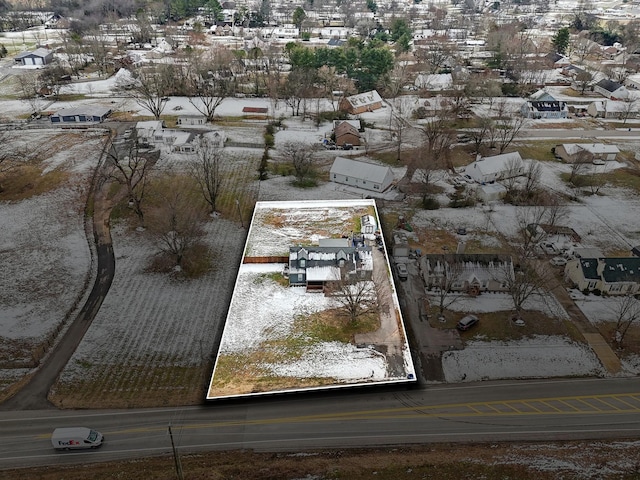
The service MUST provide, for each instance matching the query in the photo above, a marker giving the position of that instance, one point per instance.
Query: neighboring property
(313, 267)
(191, 120)
(355, 173)
(611, 275)
(544, 109)
(77, 115)
(39, 57)
(470, 273)
(556, 60)
(346, 133)
(498, 167)
(153, 132)
(612, 109)
(434, 81)
(585, 152)
(491, 192)
(362, 102)
(610, 89)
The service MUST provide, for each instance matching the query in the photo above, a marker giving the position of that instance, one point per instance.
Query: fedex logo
(69, 443)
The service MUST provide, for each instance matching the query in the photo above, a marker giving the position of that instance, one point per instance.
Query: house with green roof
(611, 275)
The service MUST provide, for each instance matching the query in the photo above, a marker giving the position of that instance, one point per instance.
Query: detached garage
(40, 56)
(368, 176)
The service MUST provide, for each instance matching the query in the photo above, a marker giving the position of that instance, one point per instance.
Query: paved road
(492, 411)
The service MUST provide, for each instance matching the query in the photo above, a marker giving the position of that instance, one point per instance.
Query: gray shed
(40, 56)
(368, 176)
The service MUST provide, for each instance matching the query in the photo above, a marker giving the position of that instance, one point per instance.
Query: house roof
(255, 110)
(621, 269)
(548, 106)
(355, 123)
(364, 99)
(38, 52)
(589, 268)
(497, 163)
(609, 85)
(88, 111)
(345, 127)
(542, 95)
(593, 148)
(362, 170)
(150, 125)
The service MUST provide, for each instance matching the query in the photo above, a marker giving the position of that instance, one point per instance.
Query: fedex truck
(75, 438)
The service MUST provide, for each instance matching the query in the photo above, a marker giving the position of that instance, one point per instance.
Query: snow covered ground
(262, 311)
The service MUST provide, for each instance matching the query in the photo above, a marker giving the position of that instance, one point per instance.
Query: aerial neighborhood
(205, 200)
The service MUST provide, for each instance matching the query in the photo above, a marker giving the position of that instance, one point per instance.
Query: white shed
(368, 176)
(498, 167)
(491, 192)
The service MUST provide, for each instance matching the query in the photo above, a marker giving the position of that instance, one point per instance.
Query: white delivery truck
(75, 438)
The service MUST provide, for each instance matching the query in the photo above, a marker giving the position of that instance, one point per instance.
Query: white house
(571, 152)
(610, 89)
(368, 176)
(498, 167)
(612, 109)
(613, 275)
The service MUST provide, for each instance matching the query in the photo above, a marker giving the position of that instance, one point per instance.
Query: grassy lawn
(498, 325)
(28, 181)
(625, 177)
(630, 344)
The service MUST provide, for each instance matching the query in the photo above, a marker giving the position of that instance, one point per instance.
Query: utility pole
(176, 458)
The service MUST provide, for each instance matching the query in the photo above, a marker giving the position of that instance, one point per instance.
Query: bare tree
(29, 83)
(448, 274)
(533, 176)
(630, 108)
(583, 80)
(507, 129)
(626, 311)
(522, 281)
(176, 221)
(211, 82)
(206, 169)
(129, 165)
(151, 88)
(356, 296)
(301, 157)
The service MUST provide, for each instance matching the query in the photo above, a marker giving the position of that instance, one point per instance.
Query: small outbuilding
(491, 192)
(498, 167)
(365, 175)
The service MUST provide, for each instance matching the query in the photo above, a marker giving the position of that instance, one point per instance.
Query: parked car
(467, 322)
(548, 248)
(347, 146)
(558, 261)
(598, 161)
(403, 273)
(461, 231)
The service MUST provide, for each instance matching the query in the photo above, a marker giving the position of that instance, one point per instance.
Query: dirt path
(387, 338)
(34, 393)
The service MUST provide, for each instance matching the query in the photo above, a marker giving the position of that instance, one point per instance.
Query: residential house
(39, 57)
(572, 71)
(611, 275)
(314, 266)
(498, 167)
(470, 273)
(153, 132)
(355, 173)
(434, 81)
(146, 131)
(346, 133)
(633, 81)
(611, 90)
(191, 120)
(542, 95)
(544, 109)
(88, 114)
(362, 102)
(585, 152)
(556, 60)
(612, 109)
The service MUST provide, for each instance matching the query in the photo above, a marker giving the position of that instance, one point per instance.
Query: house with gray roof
(315, 266)
(544, 109)
(365, 175)
(470, 273)
(88, 114)
(585, 152)
(496, 167)
(610, 89)
(611, 275)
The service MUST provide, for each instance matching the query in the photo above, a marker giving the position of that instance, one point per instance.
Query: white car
(598, 161)
(558, 261)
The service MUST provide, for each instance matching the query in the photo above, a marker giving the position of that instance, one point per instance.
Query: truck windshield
(93, 436)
